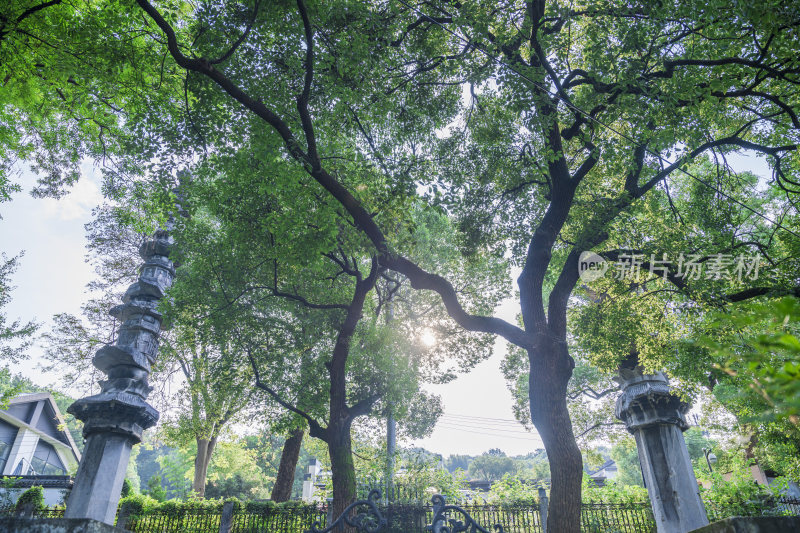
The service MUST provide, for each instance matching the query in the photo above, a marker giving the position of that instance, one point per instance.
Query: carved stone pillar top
(646, 400)
(121, 406)
(114, 419)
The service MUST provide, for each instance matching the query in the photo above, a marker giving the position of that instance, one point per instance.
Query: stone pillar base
(56, 525)
(102, 470)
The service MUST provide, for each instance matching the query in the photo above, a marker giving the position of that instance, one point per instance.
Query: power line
(485, 424)
(532, 437)
(469, 426)
(590, 117)
(498, 420)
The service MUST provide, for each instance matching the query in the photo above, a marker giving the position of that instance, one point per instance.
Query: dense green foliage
(15, 337)
(127, 488)
(155, 490)
(491, 467)
(543, 129)
(760, 358)
(33, 496)
(612, 492)
(734, 493)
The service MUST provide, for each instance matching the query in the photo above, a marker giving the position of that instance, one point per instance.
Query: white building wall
(22, 449)
(52, 497)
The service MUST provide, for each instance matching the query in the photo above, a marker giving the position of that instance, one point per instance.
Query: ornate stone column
(657, 419)
(115, 418)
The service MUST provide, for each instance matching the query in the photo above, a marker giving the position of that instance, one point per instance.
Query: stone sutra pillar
(656, 418)
(115, 418)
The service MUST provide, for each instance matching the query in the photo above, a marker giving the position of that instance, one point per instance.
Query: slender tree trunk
(343, 470)
(341, 416)
(205, 447)
(551, 368)
(282, 490)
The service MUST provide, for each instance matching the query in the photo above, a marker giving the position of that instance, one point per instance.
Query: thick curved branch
(203, 66)
(25, 14)
(422, 280)
(363, 407)
(240, 40)
(418, 277)
(302, 100)
(725, 141)
(314, 428)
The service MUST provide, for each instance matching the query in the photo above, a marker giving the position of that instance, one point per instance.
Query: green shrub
(512, 490)
(138, 504)
(126, 489)
(612, 492)
(33, 496)
(155, 490)
(260, 507)
(739, 494)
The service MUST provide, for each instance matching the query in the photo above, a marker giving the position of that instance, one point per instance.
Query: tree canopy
(544, 129)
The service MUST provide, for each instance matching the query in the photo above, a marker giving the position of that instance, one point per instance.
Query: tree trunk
(205, 447)
(343, 471)
(282, 490)
(551, 367)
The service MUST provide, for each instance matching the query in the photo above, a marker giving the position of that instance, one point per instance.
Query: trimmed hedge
(138, 504)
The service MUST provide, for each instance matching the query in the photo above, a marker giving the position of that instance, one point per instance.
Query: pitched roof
(604, 466)
(60, 427)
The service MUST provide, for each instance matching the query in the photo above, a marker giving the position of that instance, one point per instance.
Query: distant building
(36, 448)
(314, 482)
(606, 472)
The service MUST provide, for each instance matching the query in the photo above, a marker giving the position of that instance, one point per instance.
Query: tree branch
(363, 407)
(419, 278)
(240, 40)
(314, 428)
(302, 100)
(595, 426)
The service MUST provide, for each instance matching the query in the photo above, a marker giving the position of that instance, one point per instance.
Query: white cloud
(78, 203)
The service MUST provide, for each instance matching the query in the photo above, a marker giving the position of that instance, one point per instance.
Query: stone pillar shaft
(656, 418)
(115, 418)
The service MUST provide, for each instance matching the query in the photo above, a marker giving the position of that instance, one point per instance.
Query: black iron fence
(622, 518)
(413, 518)
(189, 520)
(295, 520)
(30, 510)
(513, 518)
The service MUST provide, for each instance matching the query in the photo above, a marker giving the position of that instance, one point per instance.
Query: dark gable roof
(46, 482)
(605, 465)
(22, 406)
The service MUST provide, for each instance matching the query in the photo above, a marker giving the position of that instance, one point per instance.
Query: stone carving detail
(121, 405)
(646, 401)
(115, 419)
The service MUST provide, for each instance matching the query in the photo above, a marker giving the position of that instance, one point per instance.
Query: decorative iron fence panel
(622, 518)
(513, 518)
(413, 518)
(278, 521)
(179, 521)
(47, 512)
